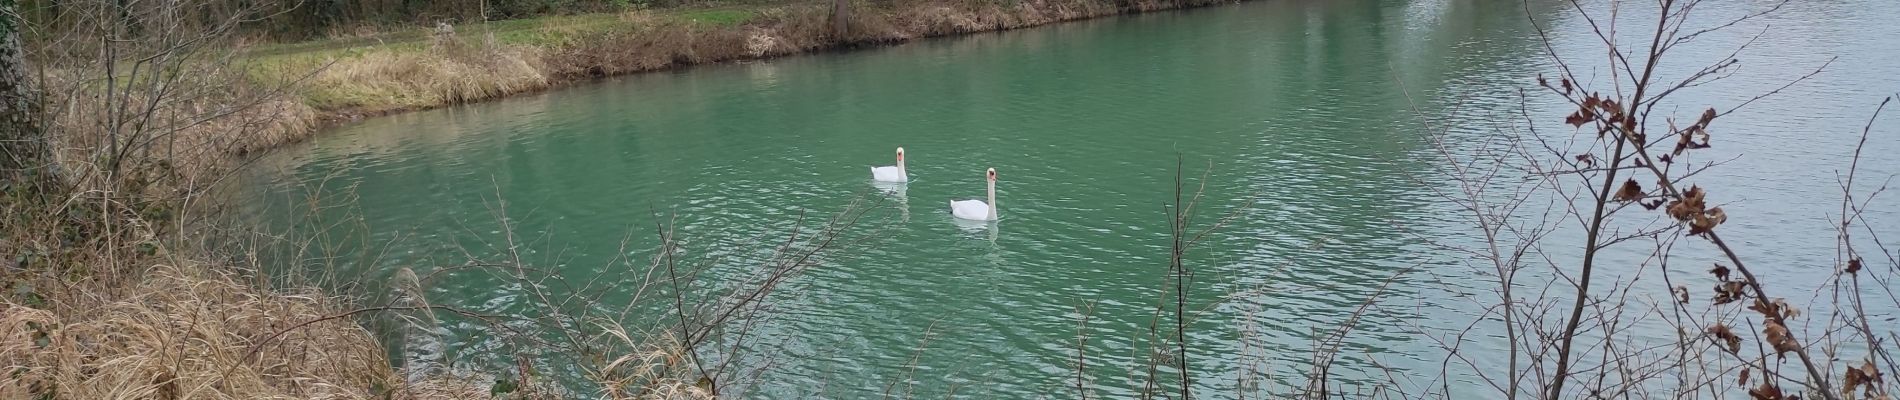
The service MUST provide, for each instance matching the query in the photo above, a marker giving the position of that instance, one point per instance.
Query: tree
(25, 156)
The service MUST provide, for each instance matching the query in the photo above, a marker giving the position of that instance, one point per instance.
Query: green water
(1296, 104)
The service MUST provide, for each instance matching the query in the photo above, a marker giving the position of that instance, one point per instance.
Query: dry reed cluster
(184, 332)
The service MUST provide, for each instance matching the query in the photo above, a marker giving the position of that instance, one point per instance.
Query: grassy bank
(420, 68)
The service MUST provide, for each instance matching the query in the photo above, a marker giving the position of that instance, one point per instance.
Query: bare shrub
(1620, 176)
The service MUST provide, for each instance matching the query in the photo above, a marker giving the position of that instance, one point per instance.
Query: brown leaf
(1689, 205)
(1705, 222)
(1631, 191)
(1587, 160)
(1682, 294)
(1653, 204)
(1686, 139)
(1707, 116)
(1720, 271)
(1743, 380)
(1729, 292)
(1541, 81)
(1767, 391)
(1566, 83)
(1866, 374)
(1700, 225)
(1853, 266)
(1576, 119)
(1682, 143)
(1666, 159)
(1727, 336)
(1779, 337)
(1764, 308)
(1787, 311)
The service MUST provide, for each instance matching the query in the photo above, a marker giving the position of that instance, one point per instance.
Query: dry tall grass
(397, 78)
(406, 80)
(184, 332)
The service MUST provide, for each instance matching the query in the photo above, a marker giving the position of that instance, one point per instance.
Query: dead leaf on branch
(1729, 292)
(1691, 207)
(1867, 375)
(1763, 308)
(1779, 308)
(1687, 139)
(1707, 116)
(1587, 160)
(1853, 266)
(1609, 107)
(1690, 204)
(1631, 191)
(1720, 271)
(1728, 337)
(1779, 337)
(1579, 118)
(1743, 380)
(1787, 311)
(1682, 294)
(1704, 223)
(1768, 391)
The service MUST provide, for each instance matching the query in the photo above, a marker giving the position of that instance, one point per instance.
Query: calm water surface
(1300, 104)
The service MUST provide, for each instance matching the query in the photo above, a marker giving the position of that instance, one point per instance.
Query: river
(1306, 107)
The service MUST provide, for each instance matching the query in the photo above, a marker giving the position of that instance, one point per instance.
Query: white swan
(891, 174)
(977, 210)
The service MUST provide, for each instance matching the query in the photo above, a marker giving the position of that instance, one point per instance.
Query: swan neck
(900, 167)
(992, 193)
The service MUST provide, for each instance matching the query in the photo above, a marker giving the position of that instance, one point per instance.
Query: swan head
(900, 154)
(992, 174)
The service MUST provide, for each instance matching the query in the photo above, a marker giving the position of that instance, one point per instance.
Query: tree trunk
(25, 156)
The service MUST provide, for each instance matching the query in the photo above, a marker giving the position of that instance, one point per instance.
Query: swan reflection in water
(896, 192)
(978, 229)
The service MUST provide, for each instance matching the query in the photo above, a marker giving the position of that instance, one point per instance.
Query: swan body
(977, 210)
(891, 173)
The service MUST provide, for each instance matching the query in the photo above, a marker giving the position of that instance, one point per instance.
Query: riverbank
(349, 79)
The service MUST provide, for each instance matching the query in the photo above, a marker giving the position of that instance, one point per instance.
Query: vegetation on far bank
(395, 69)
